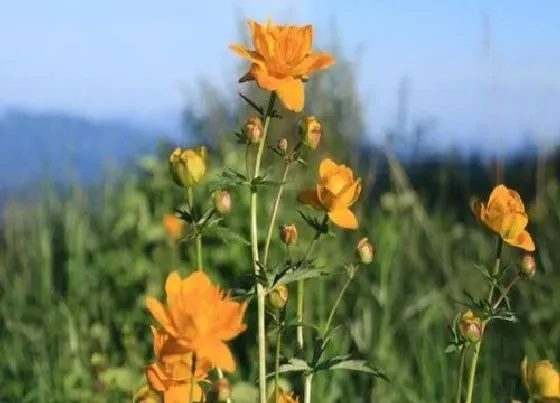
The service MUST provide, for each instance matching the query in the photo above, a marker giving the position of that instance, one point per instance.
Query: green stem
(275, 211)
(461, 375)
(255, 257)
(307, 387)
(337, 303)
(199, 236)
(280, 313)
(474, 361)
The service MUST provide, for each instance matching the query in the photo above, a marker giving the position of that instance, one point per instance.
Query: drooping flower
(335, 193)
(171, 373)
(282, 60)
(310, 132)
(365, 251)
(541, 379)
(188, 167)
(505, 214)
(174, 226)
(200, 317)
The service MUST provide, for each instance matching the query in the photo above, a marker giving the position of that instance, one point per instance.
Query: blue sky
(138, 59)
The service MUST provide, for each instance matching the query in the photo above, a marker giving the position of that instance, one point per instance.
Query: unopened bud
(222, 201)
(470, 327)
(278, 296)
(98, 360)
(187, 167)
(309, 129)
(288, 234)
(174, 226)
(254, 130)
(365, 251)
(282, 144)
(528, 266)
(223, 389)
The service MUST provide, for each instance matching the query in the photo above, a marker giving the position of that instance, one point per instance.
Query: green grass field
(75, 269)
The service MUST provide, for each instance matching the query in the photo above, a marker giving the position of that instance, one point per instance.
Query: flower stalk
(474, 360)
(461, 375)
(255, 256)
(280, 314)
(190, 194)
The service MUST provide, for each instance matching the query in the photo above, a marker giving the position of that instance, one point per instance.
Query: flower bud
(528, 266)
(146, 395)
(288, 234)
(365, 251)
(98, 360)
(254, 130)
(282, 144)
(188, 167)
(222, 201)
(471, 327)
(309, 129)
(174, 226)
(278, 296)
(223, 389)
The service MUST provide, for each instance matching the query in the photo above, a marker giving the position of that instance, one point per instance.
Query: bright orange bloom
(541, 379)
(505, 214)
(335, 193)
(282, 60)
(174, 226)
(200, 317)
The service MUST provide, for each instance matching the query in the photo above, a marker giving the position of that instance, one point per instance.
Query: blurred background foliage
(75, 266)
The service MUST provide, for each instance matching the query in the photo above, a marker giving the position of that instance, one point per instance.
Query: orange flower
(335, 193)
(172, 371)
(282, 60)
(200, 317)
(541, 379)
(505, 214)
(283, 397)
(174, 226)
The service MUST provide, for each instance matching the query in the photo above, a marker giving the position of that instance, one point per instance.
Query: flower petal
(161, 315)
(523, 241)
(172, 285)
(309, 197)
(313, 62)
(218, 354)
(248, 54)
(181, 393)
(291, 93)
(156, 377)
(344, 218)
(327, 168)
(348, 195)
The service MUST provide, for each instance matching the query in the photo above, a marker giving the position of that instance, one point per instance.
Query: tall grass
(74, 271)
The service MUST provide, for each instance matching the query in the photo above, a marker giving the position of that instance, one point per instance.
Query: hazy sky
(133, 58)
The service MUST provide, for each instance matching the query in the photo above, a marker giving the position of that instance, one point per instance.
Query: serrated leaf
(253, 105)
(227, 236)
(301, 275)
(358, 366)
(293, 365)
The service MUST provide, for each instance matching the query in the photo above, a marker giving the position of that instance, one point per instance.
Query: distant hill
(34, 146)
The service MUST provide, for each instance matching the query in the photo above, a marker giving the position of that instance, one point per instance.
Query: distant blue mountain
(35, 146)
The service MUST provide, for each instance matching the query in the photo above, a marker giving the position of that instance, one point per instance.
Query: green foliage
(74, 271)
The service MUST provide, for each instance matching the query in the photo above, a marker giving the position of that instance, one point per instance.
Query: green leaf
(357, 366)
(293, 365)
(228, 236)
(300, 275)
(253, 105)
(451, 348)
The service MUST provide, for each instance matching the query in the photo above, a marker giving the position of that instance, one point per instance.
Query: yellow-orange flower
(505, 214)
(282, 60)
(187, 167)
(174, 226)
(283, 397)
(172, 371)
(541, 379)
(200, 317)
(335, 193)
